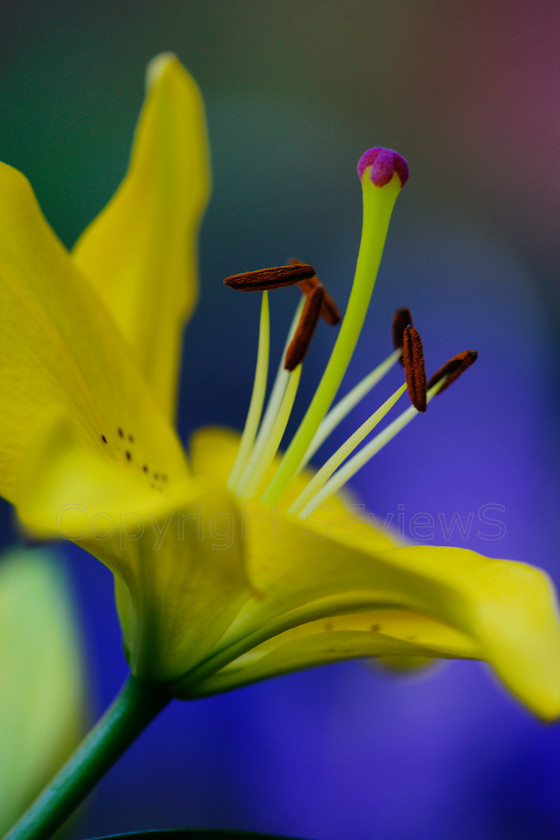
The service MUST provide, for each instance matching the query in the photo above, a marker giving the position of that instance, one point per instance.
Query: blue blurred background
(295, 91)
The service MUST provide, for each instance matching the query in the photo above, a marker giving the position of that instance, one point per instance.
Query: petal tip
(157, 67)
(12, 179)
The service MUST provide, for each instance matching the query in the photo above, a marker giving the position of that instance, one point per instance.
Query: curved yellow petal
(453, 604)
(140, 252)
(403, 636)
(334, 564)
(173, 546)
(60, 351)
(43, 713)
(508, 610)
(189, 584)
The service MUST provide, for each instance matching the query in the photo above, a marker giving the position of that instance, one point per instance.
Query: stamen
(260, 462)
(329, 310)
(344, 406)
(305, 329)
(361, 458)
(334, 462)
(401, 320)
(378, 203)
(270, 278)
(273, 407)
(257, 397)
(453, 369)
(279, 387)
(413, 360)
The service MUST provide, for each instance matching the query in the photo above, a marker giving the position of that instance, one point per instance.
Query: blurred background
(295, 91)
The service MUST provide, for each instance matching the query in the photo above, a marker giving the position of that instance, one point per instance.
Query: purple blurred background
(295, 92)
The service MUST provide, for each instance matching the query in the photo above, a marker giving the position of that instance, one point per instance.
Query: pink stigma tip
(384, 163)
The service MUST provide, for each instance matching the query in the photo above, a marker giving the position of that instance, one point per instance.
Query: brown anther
(295, 353)
(329, 310)
(401, 320)
(453, 369)
(415, 373)
(270, 278)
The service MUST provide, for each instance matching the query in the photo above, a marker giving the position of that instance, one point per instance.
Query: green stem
(134, 708)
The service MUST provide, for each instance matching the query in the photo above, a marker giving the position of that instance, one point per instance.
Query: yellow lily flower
(233, 564)
(42, 701)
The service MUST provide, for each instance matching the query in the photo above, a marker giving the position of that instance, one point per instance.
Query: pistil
(379, 193)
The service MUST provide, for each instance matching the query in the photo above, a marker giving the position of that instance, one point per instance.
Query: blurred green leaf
(42, 696)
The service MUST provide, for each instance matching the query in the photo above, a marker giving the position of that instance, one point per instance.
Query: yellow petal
(174, 548)
(399, 636)
(333, 564)
(140, 252)
(186, 592)
(61, 352)
(507, 610)
(42, 679)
